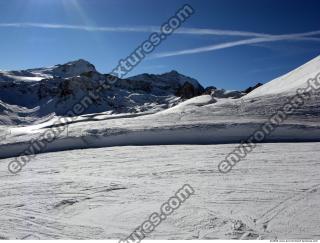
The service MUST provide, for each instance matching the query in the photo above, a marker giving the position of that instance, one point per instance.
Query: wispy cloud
(257, 37)
(141, 29)
(80, 27)
(270, 38)
(199, 31)
(186, 31)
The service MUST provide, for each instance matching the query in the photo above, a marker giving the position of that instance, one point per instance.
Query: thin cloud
(257, 37)
(148, 29)
(79, 27)
(199, 31)
(270, 38)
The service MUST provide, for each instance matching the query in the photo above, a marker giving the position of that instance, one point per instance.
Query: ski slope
(92, 183)
(106, 193)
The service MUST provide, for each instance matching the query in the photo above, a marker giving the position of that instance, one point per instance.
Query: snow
(24, 78)
(200, 120)
(289, 82)
(105, 193)
(196, 101)
(109, 187)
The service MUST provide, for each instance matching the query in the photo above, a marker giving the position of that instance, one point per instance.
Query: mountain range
(36, 95)
(150, 109)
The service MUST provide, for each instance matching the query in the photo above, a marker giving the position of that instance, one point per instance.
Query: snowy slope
(106, 193)
(290, 82)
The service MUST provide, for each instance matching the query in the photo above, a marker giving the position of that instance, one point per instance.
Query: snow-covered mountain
(72, 194)
(35, 95)
(98, 192)
(67, 70)
(70, 69)
(204, 119)
(27, 95)
(92, 177)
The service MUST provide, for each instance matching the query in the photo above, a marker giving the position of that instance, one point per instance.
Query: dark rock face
(187, 91)
(250, 89)
(170, 83)
(133, 85)
(209, 90)
(65, 89)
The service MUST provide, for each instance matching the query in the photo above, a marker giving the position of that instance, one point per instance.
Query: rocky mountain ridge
(41, 92)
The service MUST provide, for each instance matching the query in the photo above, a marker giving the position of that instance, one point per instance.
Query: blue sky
(228, 66)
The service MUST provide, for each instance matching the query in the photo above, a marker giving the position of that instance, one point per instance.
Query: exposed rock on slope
(172, 82)
(250, 89)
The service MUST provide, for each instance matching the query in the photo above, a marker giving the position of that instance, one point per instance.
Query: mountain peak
(78, 62)
(175, 72)
(73, 68)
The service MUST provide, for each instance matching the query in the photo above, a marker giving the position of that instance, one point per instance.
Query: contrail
(258, 37)
(187, 31)
(79, 27)
(270, 38)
